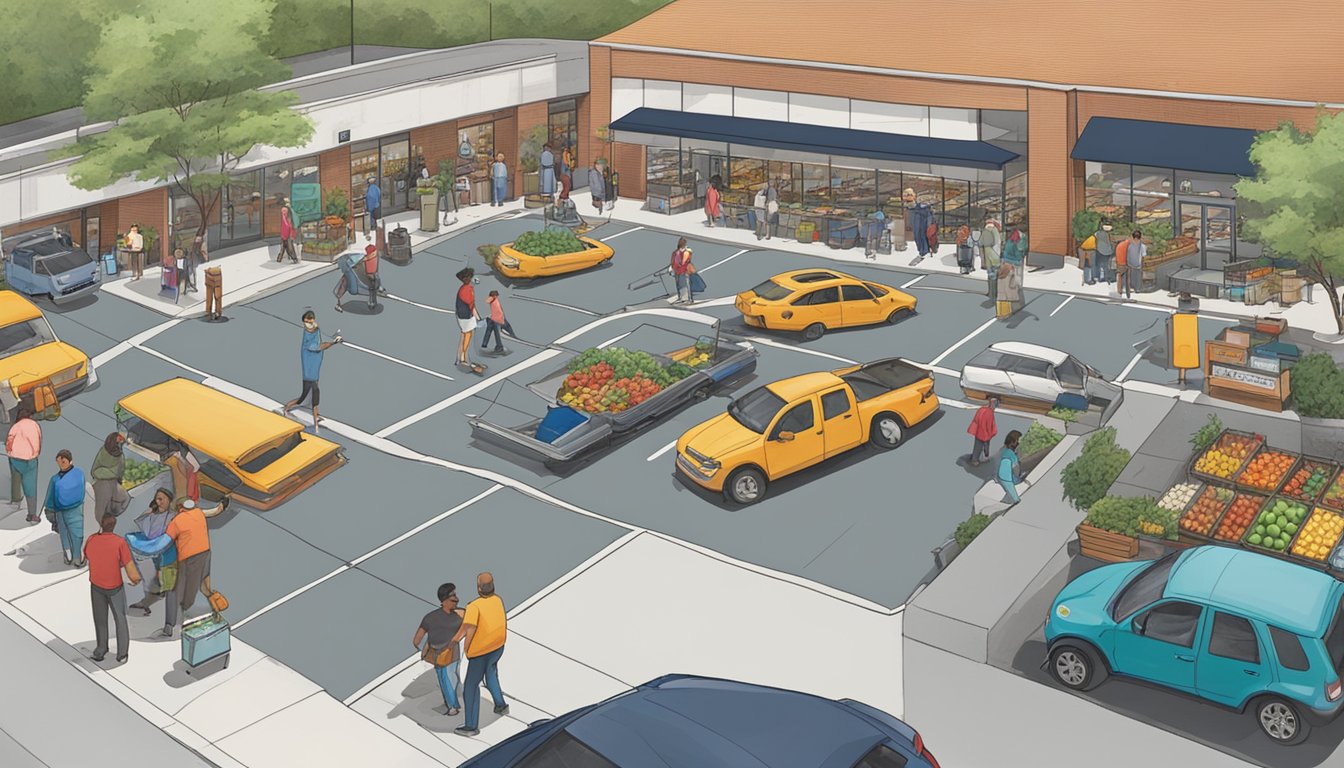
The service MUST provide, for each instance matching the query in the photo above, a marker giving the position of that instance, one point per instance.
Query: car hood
(718, 437)
(1094, 589)
(38, 363)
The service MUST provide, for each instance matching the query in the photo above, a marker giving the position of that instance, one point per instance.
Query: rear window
(1145, 589)
(270, 456)
(772, 291)
(564, 751)
(22, 336)
(882, 756)
(1334, 641)
(1288, 647)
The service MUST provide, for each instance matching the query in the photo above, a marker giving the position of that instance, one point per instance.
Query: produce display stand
(1247, 365)
(204, 640)
(1306, 465)
(1195, 536)
(1219, 443)
(1106, 546)
(1287, 552)
(1333, 496)
(1239, 479)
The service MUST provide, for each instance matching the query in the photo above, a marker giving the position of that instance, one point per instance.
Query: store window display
(855, 189)
(1107, 189)
(1152, 194)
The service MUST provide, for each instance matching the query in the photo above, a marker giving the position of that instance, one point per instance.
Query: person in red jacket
(983, 429)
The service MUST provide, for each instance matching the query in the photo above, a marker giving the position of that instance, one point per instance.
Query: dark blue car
(684, 721)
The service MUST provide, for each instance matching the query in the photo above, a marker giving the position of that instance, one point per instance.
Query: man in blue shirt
(310, 361)
(499, 176)
(373, 204)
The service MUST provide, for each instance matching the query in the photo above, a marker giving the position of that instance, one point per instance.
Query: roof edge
(980, 79)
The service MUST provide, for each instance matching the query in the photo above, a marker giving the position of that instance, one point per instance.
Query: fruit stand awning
(1167, 145)
(816, 139)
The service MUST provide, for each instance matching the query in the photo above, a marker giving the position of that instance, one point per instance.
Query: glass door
(1219, 236)
(396, 174)
(242, 214)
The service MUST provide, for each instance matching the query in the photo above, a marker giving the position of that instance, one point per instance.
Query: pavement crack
(827, 548)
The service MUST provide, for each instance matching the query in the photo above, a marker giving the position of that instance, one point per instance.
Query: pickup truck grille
(77, 288)
(685, 465)
(696, 455)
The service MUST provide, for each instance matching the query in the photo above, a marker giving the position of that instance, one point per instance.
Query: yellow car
(814, 301)
(30, 353)
(258, 457)
(790, 425)
(515, 264)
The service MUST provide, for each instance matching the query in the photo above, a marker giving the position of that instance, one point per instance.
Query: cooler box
(558, 422)
(1072, 402)
(205, 639)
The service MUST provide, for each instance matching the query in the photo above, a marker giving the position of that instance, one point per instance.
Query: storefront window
(787, 178)
(240, 205)
(185, 220)
(956, 205)
(363, 164)
(1106, 188)
(816, 185)
(397, 176)
(563, 127)
(1015, 203)
(748, 174)
(855, 190)
(1152, 195)
(889, 188)
(928, 189)
(664, 166)
(987, 203)
(1207, 184)
(279, 179)
(481, 141)
(92, 233)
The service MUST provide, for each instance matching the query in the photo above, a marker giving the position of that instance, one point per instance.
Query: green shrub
(968, 529)
(488, 252)
(548, 242)
(1206, 434)
(1085, 224)
(1066, 415)
(1132, 516)
(1318, 387)
(1087, 478)
(1038, 438)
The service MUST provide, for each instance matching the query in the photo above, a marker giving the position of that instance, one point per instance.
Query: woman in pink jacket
(712, 201)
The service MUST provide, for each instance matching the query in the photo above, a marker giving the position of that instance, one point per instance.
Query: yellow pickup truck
(792, 424)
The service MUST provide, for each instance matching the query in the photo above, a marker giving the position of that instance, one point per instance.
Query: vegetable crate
(1313, 534)
(1333, 498)
(1310, 480)
(1266, 470)
(1106, 546)
(1226, 457)
(1204, 513)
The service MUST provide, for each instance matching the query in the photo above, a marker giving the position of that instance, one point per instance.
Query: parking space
(90, 341)
(106, 314)
(131, 371)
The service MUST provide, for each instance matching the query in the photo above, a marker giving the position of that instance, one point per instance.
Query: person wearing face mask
(152, 525)
(311, 350)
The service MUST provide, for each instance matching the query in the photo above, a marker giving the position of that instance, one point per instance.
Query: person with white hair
(990, 243)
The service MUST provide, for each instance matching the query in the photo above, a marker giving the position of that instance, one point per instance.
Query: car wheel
(899, 315)
(745, 486)
(886, 431)
(1076, 667)
(813, 332)
(1281, 721)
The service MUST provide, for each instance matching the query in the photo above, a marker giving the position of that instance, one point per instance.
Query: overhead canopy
(818, 139)
(1167, 145)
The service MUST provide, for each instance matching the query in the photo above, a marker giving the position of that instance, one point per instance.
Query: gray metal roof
(327, 75)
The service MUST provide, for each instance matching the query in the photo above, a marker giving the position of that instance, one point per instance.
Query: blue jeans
(448, 683)
(482, 668)
(684, 287)
(70, 525)
(491, 327)
(23, 482)
(501, 187)
(1099, 269)
(1011, 490)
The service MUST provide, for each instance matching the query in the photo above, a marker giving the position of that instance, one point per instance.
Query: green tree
(1296, 196)
(185, 97)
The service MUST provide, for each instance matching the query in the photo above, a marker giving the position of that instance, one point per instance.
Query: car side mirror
(785, 436)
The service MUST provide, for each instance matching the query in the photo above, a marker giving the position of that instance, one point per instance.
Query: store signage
(1270, 364)
(1225, 353)
(1250, 378)
(342, 137)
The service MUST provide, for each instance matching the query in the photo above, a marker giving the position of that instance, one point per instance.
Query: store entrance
(705, 166)
(1213, 228)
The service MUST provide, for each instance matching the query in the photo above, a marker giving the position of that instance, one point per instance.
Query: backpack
(932, 235)
(70, 488)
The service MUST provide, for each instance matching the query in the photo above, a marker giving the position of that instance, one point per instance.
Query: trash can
(429, 213)
(399, 245)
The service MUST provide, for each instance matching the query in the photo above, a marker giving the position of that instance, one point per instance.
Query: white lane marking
(1129, 368)
(948, 290)
(944, 371)
(719, 302)
(968, 337)
(662, 450)
(183, 366)
(373, 553)
(394, 297)
(1063, 304)
(912, 282)
(611, 341)
(781, 345)
(556, 304)
(134, 342)
(412, 366)
(725, 261)
(618, 234)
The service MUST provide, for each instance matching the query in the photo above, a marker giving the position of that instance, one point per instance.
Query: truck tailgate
(523, 439)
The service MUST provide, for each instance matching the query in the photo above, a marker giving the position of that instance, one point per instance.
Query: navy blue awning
(1167, 145)
(817, 139)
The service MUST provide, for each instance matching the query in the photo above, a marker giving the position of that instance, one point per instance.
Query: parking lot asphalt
(375, 538)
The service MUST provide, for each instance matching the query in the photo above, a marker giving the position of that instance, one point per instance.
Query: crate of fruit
(1310, 479)
(1333, 498)
(140, 472)
(1204, 512)
(1237, 521)
(1318, 537)
(1266, 470)
(1226, 457)
(1277, 522)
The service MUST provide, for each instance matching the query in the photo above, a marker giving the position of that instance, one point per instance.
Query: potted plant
(337, 208)
(1205, 435)
(1318, 398)
(529, 159)
(1035, 444)
(1113, 525)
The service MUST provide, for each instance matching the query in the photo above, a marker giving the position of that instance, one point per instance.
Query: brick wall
(437, 142)
(333, 170)
(528, 117)
(148, 209)
(107, 225)
(1048, 167)
(585, 129)
(599, 104)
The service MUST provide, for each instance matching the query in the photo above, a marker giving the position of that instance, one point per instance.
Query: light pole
(490, 20)
(352, 33)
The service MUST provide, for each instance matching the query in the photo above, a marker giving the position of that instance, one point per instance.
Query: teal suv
(1241, 630)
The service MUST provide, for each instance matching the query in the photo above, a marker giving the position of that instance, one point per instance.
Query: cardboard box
(1237, 338)
(1271, 325)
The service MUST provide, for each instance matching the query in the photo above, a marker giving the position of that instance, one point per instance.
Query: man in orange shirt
(1121, 266)
(188, 531)
(485, 629)
(107, 555)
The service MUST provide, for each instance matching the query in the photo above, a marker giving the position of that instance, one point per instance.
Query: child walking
(495, 324)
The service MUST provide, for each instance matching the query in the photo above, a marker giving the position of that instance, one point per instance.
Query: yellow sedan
(814, 301)
(515, 264)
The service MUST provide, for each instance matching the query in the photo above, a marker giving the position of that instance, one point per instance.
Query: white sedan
(1032, 372)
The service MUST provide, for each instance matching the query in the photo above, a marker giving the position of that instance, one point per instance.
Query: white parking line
(412, 366)
(1128, 368)
(968, 337)
(618, 234)
(912, 282)
(611, 341)
(662, 450)
(781, 345)
(394, 297)
(725, 261)
(1063, 304)
(132, 343)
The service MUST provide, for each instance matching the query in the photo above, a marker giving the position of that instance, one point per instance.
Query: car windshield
(1145, 589)
(756, 409)
(272, 454)
(772, 291)
(17, 337)
(61, 263)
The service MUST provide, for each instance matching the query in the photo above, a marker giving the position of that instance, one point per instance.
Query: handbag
(218, 603)
(167, 578)
(697, 283)
(440, 658)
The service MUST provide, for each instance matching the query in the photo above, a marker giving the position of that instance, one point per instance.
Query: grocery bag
(697, 283)
(1004, 308)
